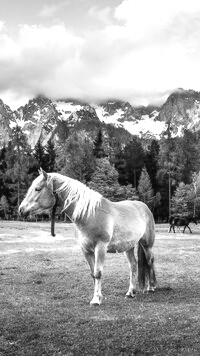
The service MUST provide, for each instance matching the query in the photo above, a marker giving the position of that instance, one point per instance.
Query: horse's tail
(145, 267)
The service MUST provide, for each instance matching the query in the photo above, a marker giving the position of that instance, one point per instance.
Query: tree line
(163, 173)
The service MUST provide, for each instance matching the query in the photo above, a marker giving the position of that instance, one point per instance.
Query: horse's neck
(77, 200)
(58, 181)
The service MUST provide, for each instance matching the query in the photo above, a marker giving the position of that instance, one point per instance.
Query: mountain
(182, 111)
(43, 118)
(38, 119)
(7, 121)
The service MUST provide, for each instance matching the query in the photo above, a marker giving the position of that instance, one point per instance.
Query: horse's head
(39, 197)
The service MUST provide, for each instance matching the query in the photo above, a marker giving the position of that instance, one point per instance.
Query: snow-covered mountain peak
(42, 118)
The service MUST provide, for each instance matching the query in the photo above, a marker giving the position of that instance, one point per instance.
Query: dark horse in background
(181, 221)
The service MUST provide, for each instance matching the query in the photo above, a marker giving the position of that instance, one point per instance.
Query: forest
(163, 173)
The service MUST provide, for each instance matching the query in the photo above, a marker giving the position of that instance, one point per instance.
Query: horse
(181, 221)
(102, 226)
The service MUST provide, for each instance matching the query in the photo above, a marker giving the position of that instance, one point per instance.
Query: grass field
(45, 289)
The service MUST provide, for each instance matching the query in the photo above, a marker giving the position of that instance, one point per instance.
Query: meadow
(45, 289)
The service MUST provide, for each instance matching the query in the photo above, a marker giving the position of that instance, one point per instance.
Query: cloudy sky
(134, 50)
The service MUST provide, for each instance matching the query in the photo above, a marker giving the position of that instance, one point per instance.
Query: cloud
(143, 49)
(101, 15)
(2, 25)
(52, 9)
(30, 64)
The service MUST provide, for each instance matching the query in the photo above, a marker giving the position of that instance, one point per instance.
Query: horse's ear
(41, 171)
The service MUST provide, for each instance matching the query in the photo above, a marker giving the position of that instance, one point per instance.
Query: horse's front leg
(100, 253)
(89, 256)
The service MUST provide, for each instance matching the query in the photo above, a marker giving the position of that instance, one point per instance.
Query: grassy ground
(45, 289)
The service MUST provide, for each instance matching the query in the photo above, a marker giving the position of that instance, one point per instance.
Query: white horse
(103, 226)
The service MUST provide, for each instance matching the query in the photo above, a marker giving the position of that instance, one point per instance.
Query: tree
(151, 162)
(183, 200)
(145, 189)
(120, 164)
(98, 150)
(75, 157)
(105, 181)
(40, 156)
(17, 162)
(3, 168)
(196, 187)
(189, 156)
(134, 161)
(105, 178)
(170, 169)
(50, 154)
(4, 206)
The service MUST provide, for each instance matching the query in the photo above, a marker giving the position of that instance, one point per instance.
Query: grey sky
(135, 50)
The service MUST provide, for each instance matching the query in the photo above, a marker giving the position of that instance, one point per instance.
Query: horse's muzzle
(22, 212)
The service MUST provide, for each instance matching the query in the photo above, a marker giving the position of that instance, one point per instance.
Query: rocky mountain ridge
(42, 118)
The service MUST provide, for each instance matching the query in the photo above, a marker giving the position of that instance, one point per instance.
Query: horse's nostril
(20, 211)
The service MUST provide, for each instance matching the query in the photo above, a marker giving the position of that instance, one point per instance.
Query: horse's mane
(85, 200)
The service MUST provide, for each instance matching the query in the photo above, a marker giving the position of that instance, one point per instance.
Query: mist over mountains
(43, 119)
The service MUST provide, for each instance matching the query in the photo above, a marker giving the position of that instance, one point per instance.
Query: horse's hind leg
(133, 273)
(188, 229)
(100, 253)
(146, 272)
(151, 280)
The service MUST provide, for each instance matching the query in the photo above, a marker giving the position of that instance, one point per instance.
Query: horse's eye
(37, 189)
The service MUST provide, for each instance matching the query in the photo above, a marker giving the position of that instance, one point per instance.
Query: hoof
(96, 301)
(94, 304)
(151, 290)
(130, 294)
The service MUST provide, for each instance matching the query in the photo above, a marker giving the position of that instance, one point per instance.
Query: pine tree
(75, 157)
(145, 189)
(3, 168)
(151, 162)
(134, 161)
(105, 181)
(182, 200)
(189, 156)
(120, 164)
(17, 162)
(98, 150)
(105, 178)
(4, 206)
(40, 156)
(50, 160)
(170, 167)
